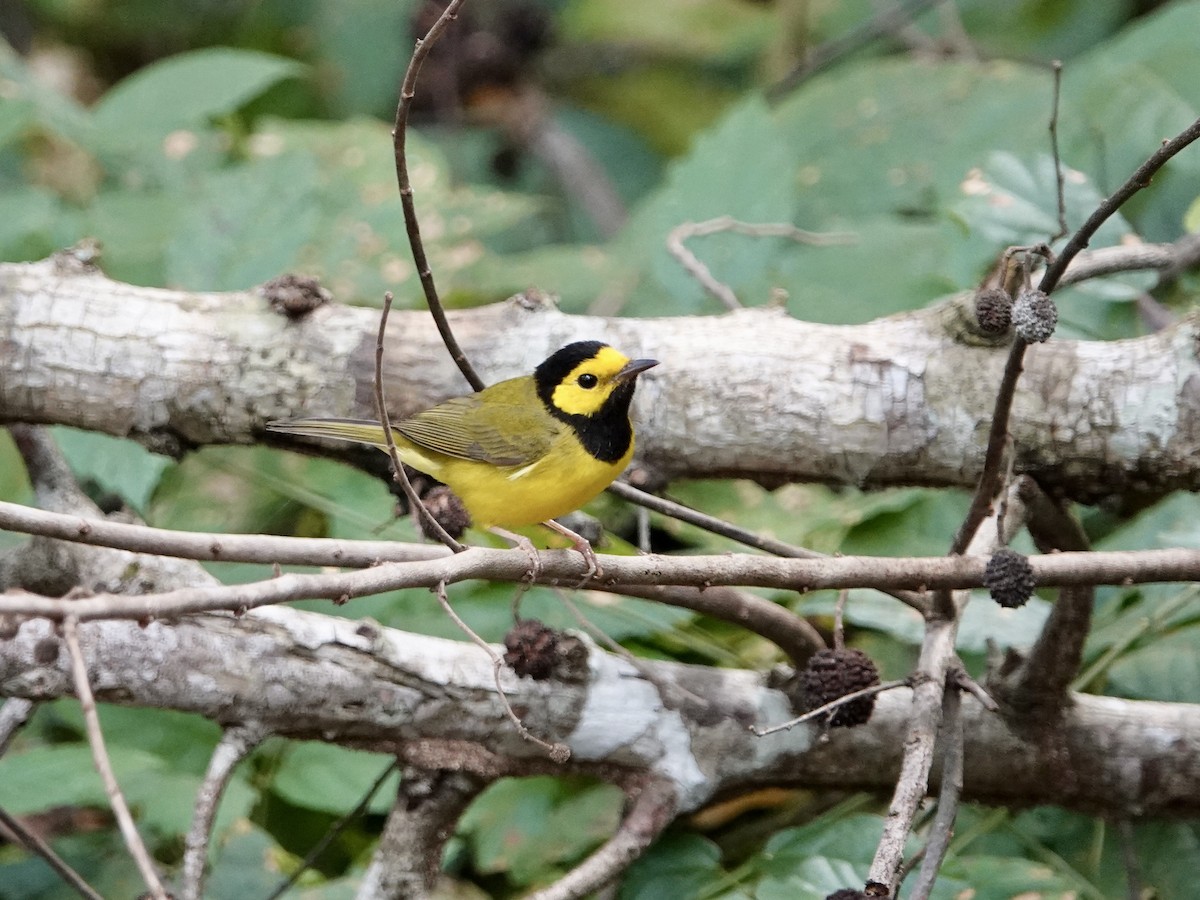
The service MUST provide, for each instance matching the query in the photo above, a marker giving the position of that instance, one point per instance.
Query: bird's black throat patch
(606, 434)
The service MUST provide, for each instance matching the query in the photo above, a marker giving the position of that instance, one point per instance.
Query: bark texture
(754, 394)
(433, 702)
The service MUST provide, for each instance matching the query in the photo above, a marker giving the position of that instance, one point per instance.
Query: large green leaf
(115, 465)
(28, 101)
(34, 222)
(332, 779)
(677, 865)
(532, 828)
(1167, 668)
(322, 198)
(1127, 95)
(185, 92)
(63, 775)
(248, 225)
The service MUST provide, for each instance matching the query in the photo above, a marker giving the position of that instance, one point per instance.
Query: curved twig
(83, 690)
(399, 135)
(235, 744)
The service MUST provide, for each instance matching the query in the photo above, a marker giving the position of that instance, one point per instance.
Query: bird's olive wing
(501, 430)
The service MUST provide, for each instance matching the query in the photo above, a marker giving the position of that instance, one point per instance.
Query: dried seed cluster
(447, 510)
(1034, 315)
(993, 311)
(1009, 578)
(831, 674)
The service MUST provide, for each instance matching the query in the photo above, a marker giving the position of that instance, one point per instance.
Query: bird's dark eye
(588, 380)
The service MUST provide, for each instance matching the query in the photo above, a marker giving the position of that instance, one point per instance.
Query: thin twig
(829, 707)
(332, 833)
(236, 742)
(209, 546)
(560, 568)
(975, 689)
(116, 799)
(1129, 857)
(1169, 259)
(886, 22)
(839, 623)
(653, 803)
(992, 475)
(718, 526)
(399, 139)
(935, 666)
(948, 796)
(989, 479)
(1108, 207)
(398, 471)
(1057, 67)
(34, 844)
(698, 270)
(558, 752)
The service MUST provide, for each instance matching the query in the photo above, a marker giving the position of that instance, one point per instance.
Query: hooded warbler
(521, 451)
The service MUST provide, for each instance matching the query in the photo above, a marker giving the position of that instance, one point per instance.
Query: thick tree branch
(308, 676)
(407, 859)
(896, 401)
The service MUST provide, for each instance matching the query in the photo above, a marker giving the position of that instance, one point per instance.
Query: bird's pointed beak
(634, 368)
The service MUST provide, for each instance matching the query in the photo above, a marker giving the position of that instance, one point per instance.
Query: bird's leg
(581, 544)
(525, 544)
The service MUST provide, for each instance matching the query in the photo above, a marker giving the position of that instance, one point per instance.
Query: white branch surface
(755, 393)
(306, 675)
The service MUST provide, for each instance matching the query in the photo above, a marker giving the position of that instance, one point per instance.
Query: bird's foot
(524, 544)
(581, 544)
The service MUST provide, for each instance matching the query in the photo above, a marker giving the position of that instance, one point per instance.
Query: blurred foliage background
(214, 144)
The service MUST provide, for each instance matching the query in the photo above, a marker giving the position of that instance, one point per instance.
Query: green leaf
(898, 137)
(1168, 854)
(100, 857)
(115, 465)
(849, 837)
(249, 224)
(1002, 878)
(1124, 97)
(43, 777)
(1172, 522)
(1012, 201)
(812, 878)
(34, 223)
(1191, 218)
(534, 828)
(135, 226)
(332, 779)
(185, 91)
(27, 100)
(679, 864)
(1167, 668)
(322, 198)
(716, 179)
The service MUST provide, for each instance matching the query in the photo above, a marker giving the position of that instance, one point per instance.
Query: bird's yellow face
(585, 389)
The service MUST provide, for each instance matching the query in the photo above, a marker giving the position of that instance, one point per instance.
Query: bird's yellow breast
(557, 483)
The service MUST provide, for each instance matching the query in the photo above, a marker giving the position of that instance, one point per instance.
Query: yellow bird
(521, 451)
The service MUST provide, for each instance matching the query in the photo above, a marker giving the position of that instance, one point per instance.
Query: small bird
(521, 451)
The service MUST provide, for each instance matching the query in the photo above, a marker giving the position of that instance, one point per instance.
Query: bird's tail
(360, 431)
